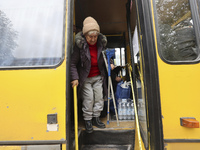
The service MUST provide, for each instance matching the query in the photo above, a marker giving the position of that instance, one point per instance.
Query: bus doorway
(118, 22)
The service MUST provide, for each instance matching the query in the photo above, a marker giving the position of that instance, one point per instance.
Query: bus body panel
(182, 146)
(27, 97)
(179, 98)
(31, 147)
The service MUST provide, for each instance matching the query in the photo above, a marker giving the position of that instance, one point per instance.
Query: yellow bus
(157, 40)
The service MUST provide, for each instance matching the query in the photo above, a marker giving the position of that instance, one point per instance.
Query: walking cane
(75, 117)
(109, 54)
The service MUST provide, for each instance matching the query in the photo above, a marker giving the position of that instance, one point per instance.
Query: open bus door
(148, 100)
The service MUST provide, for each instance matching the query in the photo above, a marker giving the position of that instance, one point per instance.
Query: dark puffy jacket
(81, 60)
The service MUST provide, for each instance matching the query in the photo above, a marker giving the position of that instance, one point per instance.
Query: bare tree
(177, 37)
(8, 38)
(169, 11)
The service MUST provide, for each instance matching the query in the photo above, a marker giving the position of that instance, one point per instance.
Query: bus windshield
(31, 33)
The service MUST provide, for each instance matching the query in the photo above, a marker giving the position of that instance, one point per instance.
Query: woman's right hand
(74, 82)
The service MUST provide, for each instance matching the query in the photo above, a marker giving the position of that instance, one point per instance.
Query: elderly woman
(88, 71)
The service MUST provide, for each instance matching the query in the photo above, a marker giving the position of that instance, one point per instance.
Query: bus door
(147, 79)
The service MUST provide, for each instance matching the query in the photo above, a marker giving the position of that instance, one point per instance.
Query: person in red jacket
(88, 72)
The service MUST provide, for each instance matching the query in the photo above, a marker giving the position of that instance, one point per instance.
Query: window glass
(120, 60)
(120, 56)
(176, 30)
(31, 32)
(198, 5)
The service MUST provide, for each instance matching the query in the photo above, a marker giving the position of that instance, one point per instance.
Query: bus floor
(114, 137)
(113, 125)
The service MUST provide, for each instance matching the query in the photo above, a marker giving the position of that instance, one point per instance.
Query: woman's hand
(112, 66)
(74, 82)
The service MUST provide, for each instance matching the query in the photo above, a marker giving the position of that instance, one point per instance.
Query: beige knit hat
(90, 24)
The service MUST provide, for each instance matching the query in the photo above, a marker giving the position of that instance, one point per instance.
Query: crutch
(75, 117)
(109, 54)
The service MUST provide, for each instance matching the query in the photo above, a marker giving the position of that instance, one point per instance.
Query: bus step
(107, 139)
(106, 147)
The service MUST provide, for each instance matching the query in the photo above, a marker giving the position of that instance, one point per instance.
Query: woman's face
(91, 38)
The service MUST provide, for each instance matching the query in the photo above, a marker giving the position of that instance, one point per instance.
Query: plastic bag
(123, 90)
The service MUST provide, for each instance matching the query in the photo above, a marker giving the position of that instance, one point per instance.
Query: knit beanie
(90, 24)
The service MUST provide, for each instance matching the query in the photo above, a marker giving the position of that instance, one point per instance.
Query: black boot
(88, 126)
(96, 122)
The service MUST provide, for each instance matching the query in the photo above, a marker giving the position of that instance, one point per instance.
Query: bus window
(120, 59)
(31, 33)
(176, 31)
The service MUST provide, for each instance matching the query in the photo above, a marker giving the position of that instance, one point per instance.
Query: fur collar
(80, 40)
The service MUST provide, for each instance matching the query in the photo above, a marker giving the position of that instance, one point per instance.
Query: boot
(96, 122)
(88, 126)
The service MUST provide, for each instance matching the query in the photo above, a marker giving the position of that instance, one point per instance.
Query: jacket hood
(80, 39)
